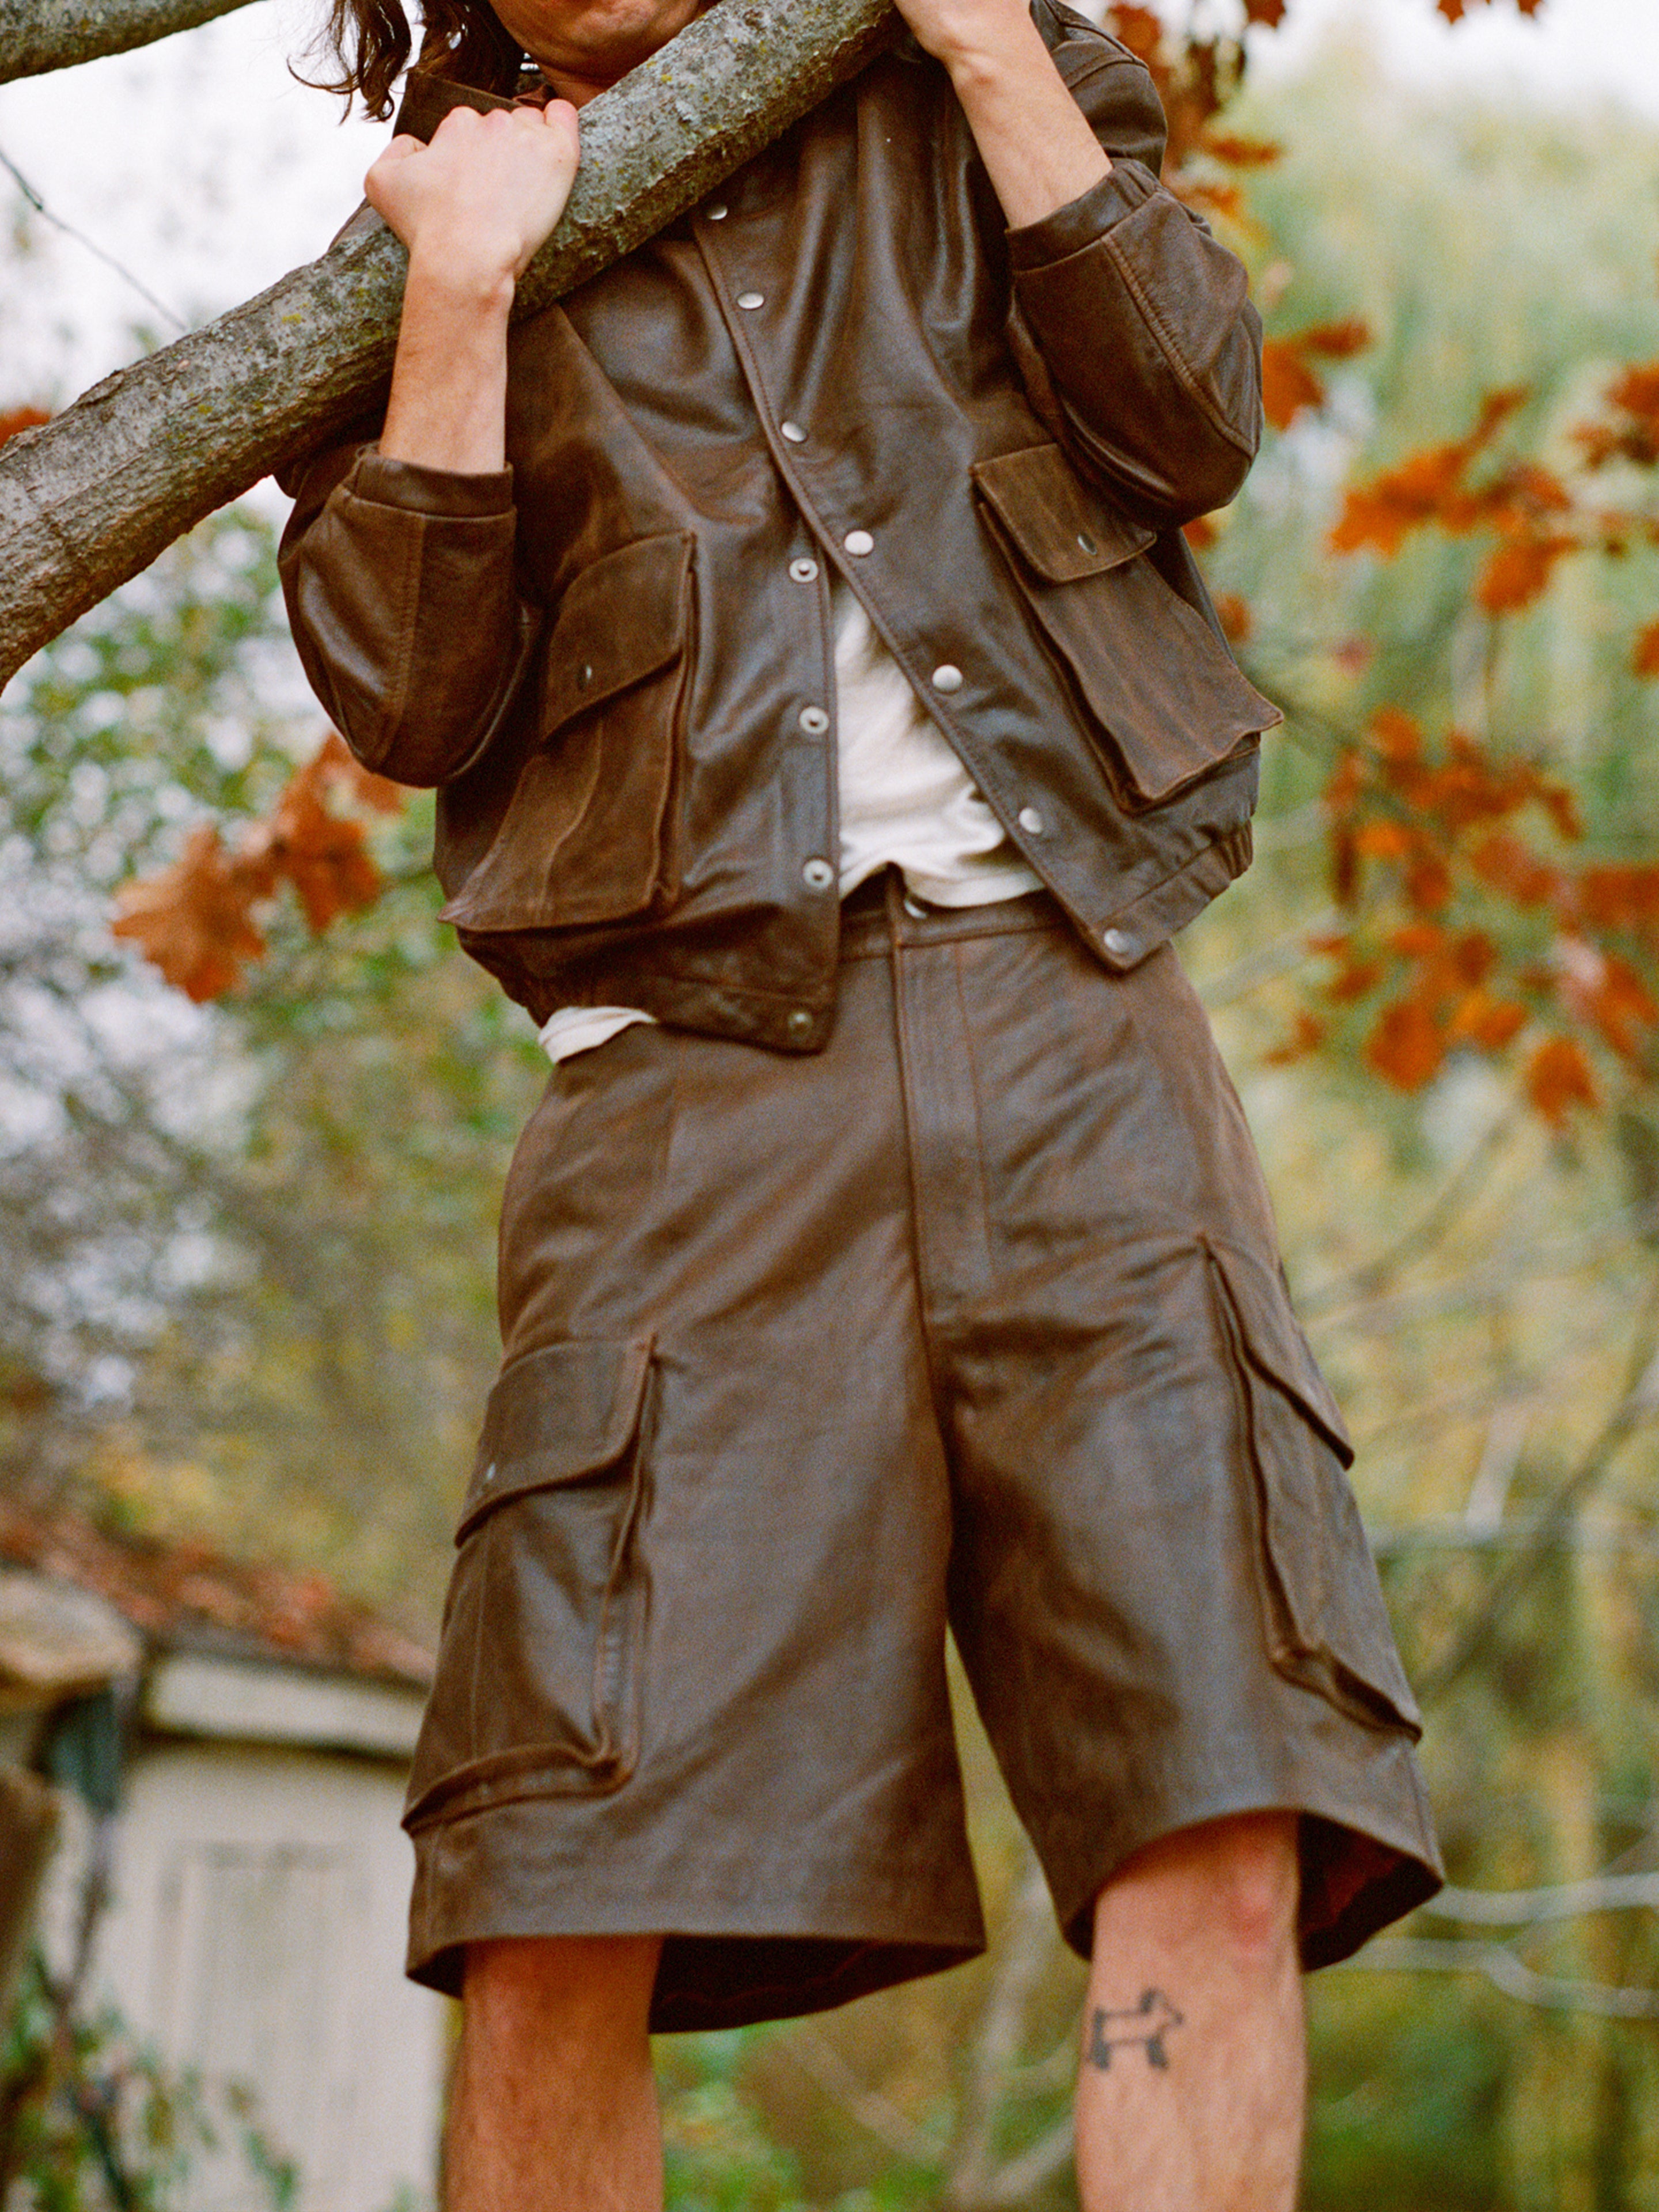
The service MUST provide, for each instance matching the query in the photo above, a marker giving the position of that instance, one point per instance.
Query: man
(830, 730)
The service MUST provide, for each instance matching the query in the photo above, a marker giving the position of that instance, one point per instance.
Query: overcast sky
(203, 167)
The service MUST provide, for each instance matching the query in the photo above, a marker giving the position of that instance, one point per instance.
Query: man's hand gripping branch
(473, 208)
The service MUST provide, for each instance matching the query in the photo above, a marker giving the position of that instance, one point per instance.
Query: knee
(1257, 1884)
(1231, 1886)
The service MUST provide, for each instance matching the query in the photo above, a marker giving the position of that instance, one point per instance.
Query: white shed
(254, 1933)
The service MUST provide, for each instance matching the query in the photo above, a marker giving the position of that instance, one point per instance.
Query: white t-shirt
(906, 800)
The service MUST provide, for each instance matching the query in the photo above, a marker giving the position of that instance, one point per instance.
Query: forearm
(1033, 138)
(448, 405)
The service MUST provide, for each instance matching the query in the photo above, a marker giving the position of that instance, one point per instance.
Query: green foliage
(243, 1251)
(90, 2121)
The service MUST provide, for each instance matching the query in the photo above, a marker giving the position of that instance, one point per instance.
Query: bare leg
(554, 2103)
(1191, 2089)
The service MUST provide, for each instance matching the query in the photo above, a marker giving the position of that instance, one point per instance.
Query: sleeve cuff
(421, 490)
(1082, 221)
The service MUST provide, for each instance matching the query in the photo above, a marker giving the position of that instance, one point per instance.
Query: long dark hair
(369, 42)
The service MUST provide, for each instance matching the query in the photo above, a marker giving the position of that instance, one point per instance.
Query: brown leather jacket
(614, 659)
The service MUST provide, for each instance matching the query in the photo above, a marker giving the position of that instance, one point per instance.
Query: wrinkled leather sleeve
(1137, 317)
(401, 594)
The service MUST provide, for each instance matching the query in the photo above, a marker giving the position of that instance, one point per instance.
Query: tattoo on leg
(1146, 2023)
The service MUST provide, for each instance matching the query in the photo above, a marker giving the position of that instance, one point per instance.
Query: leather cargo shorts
(973, 1321)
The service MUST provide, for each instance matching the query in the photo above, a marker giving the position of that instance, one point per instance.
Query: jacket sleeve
(1138, 318)
(402, 596)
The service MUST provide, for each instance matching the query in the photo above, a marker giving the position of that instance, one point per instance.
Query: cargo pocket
(539, 1688)
(589, 834)
(1327, 1624)
(1165, 698)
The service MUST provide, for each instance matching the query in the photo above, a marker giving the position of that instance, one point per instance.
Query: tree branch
(92, 497)
(1460, 1955)
(1563, 1900)
(1638, 1404)
(37, 35)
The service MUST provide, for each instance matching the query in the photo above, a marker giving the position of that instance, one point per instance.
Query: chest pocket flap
(620, 621)
(1167, 700)
(1062, 531)
(589, 835)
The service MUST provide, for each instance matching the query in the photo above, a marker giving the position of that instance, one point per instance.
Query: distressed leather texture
(845, 339)
(975, 1315)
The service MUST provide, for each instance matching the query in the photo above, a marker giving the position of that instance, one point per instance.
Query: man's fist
(473, 206)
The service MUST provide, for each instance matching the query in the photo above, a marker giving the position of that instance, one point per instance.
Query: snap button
(584, 676)
(1118, 942)
(751, 299)
(947, 676)
(1030, 821)
(814, 720)
(1086, 542)
(859, 542)
(793, 432)
(717, 211)
(819, 875)
(803, 571)
(799, 1023)
(915, 908)
(488, 1474)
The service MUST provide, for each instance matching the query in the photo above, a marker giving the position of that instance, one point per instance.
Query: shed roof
(182, 1595)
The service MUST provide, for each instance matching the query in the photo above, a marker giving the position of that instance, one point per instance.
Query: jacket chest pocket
(1165, 697)
(589, 835)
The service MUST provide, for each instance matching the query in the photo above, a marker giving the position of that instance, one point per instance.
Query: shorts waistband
(882, 914)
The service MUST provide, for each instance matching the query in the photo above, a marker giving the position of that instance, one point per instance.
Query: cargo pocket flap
(556, 1415)
(621, 619)
(1274, 1344)
(1062, 528)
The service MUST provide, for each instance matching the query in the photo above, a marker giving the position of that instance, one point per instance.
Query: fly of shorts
(973, 1322)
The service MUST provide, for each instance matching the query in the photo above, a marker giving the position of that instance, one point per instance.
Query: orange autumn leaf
(1419, 940)
(1240, 153)
(1200, 533)
(1644, 655)
(1487, 1023)
(1270, 12)
(1428, 884)
(1406, 1047)
(1399, 735)
(325, 856)
(1519, 572)
(193, 921)
(1382, 840)
(1424, 489)
(346, 773)
(1504, 864)
(1558, 1079)
(1635, 391)
(1353, 980)
(1473, 957)
(1141, 29)
(1288, 384)
(1234, 615)
(1336, 341)
(1623, 1009)
(1307, 1034)
(1620, 895)
(14, 419)
(1225, 200)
